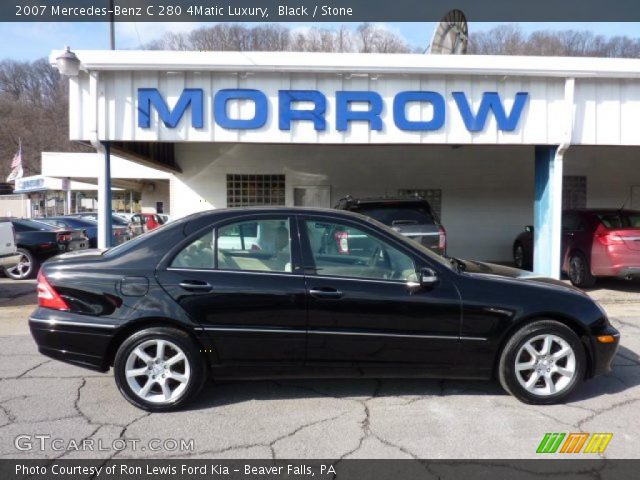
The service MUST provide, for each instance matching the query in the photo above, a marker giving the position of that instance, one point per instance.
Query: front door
(365, 306)
(238, 281)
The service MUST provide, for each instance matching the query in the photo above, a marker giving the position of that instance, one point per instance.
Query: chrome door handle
(325, 293)
(195, 285)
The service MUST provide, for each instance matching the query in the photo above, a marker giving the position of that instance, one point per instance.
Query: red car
(595, 243)
(143, 222)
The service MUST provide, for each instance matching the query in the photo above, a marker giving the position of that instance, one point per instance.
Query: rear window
(396, 215)
(615, 220)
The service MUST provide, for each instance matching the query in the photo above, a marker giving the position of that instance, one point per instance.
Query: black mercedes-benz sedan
(265, 292)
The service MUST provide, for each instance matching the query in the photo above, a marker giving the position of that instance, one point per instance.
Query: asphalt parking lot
(305, 419)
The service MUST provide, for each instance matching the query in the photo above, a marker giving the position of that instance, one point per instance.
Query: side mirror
(428, 277)
(528, 228)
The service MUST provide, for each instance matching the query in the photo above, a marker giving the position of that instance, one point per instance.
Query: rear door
(240, 280)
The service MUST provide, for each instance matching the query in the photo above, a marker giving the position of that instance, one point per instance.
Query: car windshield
(396, 215)
(444, 261)
(134, 242)
(615, 220)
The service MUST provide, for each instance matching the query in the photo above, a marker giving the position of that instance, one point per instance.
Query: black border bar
(317, 10)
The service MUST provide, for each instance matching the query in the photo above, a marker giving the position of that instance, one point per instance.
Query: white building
(488, 138)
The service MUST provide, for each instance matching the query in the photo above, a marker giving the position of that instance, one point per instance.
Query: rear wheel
(542, 363)
(159, 369)
(26, 268)
(580, 271)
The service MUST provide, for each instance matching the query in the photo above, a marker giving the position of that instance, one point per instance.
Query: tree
(510, 40)
(33, 108)
(368, 38)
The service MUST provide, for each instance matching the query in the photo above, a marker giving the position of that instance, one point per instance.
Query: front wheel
(542, 363)
(159, 369)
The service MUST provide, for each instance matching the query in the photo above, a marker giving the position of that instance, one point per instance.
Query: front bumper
(73, 338)
(9, 261)
(604, 353)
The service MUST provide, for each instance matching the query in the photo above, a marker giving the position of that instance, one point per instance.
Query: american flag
(16, 166)
(17, 158)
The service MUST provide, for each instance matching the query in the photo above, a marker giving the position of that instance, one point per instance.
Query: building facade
(496, 143)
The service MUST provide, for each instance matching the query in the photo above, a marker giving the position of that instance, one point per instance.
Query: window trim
(309, 259)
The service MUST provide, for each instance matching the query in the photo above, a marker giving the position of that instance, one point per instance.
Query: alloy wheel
(518, 256)
(545, 365)
(22, 269)
(576, 269)
(158, 371)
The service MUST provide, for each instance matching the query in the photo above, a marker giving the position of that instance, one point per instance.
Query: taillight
(607, 237)
(442, 238)
(342, 241)
(47, 295)
(13, 232)
(610, 239)
(64, 237)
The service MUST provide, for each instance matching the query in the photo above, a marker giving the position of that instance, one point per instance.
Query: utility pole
(112, 27)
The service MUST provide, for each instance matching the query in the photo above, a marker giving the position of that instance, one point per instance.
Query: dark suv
(412, 217)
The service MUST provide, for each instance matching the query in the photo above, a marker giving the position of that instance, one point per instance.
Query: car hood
(484, 268)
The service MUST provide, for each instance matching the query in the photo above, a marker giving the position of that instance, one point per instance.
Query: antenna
(451, 36)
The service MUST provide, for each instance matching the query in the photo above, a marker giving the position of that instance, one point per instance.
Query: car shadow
(617, 284)
(625, 375)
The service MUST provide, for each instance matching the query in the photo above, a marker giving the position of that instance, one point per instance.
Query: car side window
(344, 251)
(256, 245)
(198, 254)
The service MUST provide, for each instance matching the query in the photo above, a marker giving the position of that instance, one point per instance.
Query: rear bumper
(8, 261)
(72, 338)
(604, 353)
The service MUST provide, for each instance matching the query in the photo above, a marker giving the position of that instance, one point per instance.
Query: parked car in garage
(595, 243)
(9, 256)
(261, 293)
(38, 241)
(119, 233)
(413, 217)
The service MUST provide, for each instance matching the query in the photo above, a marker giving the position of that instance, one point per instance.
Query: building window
(252, 190)
(431, 195)
(574, 192)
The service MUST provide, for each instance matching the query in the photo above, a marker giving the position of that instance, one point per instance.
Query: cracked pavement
(357, 418)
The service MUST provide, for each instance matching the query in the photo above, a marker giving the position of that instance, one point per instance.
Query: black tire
(513, 351)
(193, 367)
(579, 271)
(26, 268)
(518, 256)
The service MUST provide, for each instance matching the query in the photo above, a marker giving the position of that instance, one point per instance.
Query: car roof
(221, 213)
(382, 200)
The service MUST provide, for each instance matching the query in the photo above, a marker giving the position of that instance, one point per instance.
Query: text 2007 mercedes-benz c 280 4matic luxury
(266, 292)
